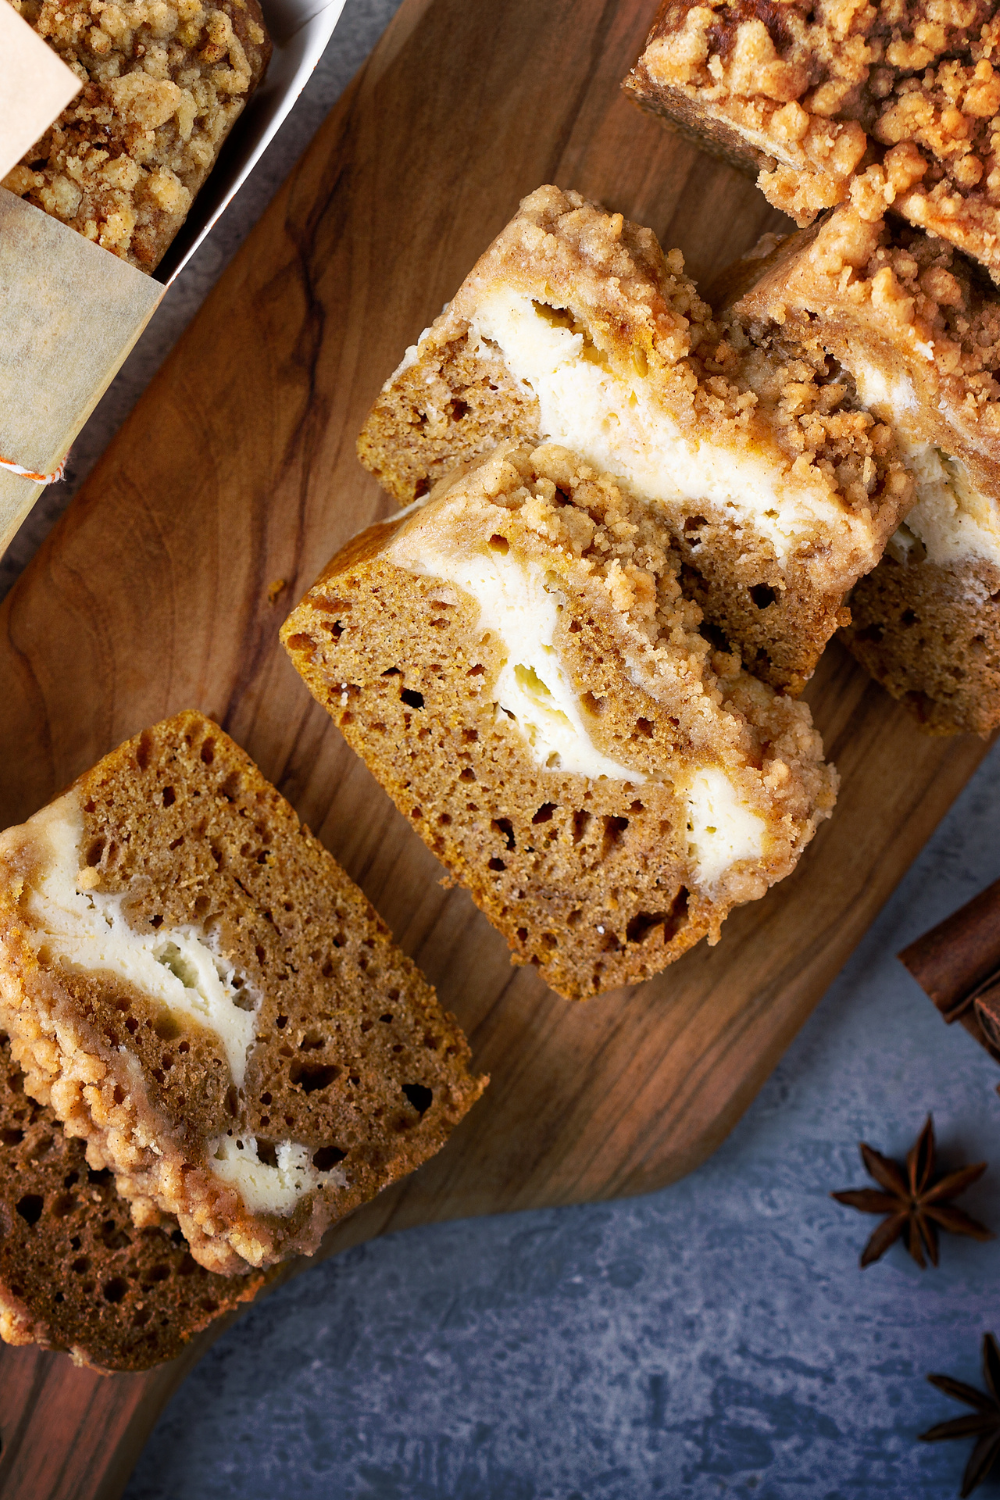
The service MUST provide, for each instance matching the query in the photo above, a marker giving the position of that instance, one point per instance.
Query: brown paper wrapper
(69, 314)
(35, 87)
(958, 964)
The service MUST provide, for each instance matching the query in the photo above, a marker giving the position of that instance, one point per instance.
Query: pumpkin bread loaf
(75, 1272)
(900, 102)
(518, 667)
(916, 325)
(163, 84)
(778, 488)
(196, 988)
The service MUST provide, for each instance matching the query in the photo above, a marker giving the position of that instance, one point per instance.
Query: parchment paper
(69, 314)
(35, 87)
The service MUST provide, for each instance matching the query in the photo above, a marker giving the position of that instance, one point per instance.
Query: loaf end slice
(200, 993)
(517, 665)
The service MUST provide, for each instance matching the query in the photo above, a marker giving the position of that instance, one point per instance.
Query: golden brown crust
(75, 1272)
(813, 94)
(453, 398)
(588, 879)
(181, 822)
(163, 85)
(687, 118)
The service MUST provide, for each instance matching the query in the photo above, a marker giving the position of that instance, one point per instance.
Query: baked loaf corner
(518, 667)
(198, 990)
(780, 490)
(900, 103)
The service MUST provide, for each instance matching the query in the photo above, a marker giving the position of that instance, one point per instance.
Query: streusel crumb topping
(817, 92)
(163, 82)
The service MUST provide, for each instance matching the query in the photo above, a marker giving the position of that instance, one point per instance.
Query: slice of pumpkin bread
(199, 991)
(916, 325)
(76, 1274)
(517, 665)
(778, 488)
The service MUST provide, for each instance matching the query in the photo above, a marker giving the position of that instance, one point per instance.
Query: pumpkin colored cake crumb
(75, 1273)
(518, 666)
(779, 489)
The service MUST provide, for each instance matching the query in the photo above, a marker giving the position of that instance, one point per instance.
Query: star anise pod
(916, 1202)
(984, 1423)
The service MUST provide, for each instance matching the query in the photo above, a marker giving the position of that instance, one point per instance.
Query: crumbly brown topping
(910, 278)
(75, 1272)
(641, 318)
(821, 89)
(163, 82)
(635, 299)
(589, 515)
(913, 292)
(639, 312)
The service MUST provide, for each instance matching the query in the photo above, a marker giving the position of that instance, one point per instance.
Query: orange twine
(53, 478)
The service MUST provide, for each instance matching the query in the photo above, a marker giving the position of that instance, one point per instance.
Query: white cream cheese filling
(534, 690)
(721, 828)
(951, 516)
(618, 427)
(532, 687)
(268, 1189)
(87, 932)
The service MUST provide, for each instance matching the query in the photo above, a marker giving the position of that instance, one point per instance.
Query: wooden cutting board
(224, 494)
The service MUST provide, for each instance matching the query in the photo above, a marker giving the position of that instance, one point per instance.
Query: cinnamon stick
(957, 963)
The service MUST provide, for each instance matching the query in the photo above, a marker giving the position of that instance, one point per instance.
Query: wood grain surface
(237, 471)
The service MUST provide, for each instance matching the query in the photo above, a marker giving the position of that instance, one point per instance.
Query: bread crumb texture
(884, 297)
(915, 301)
(76, 1274)
(349, 1075)
(163, 82)
(592, 879)
(642, 321)
(812, 95)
